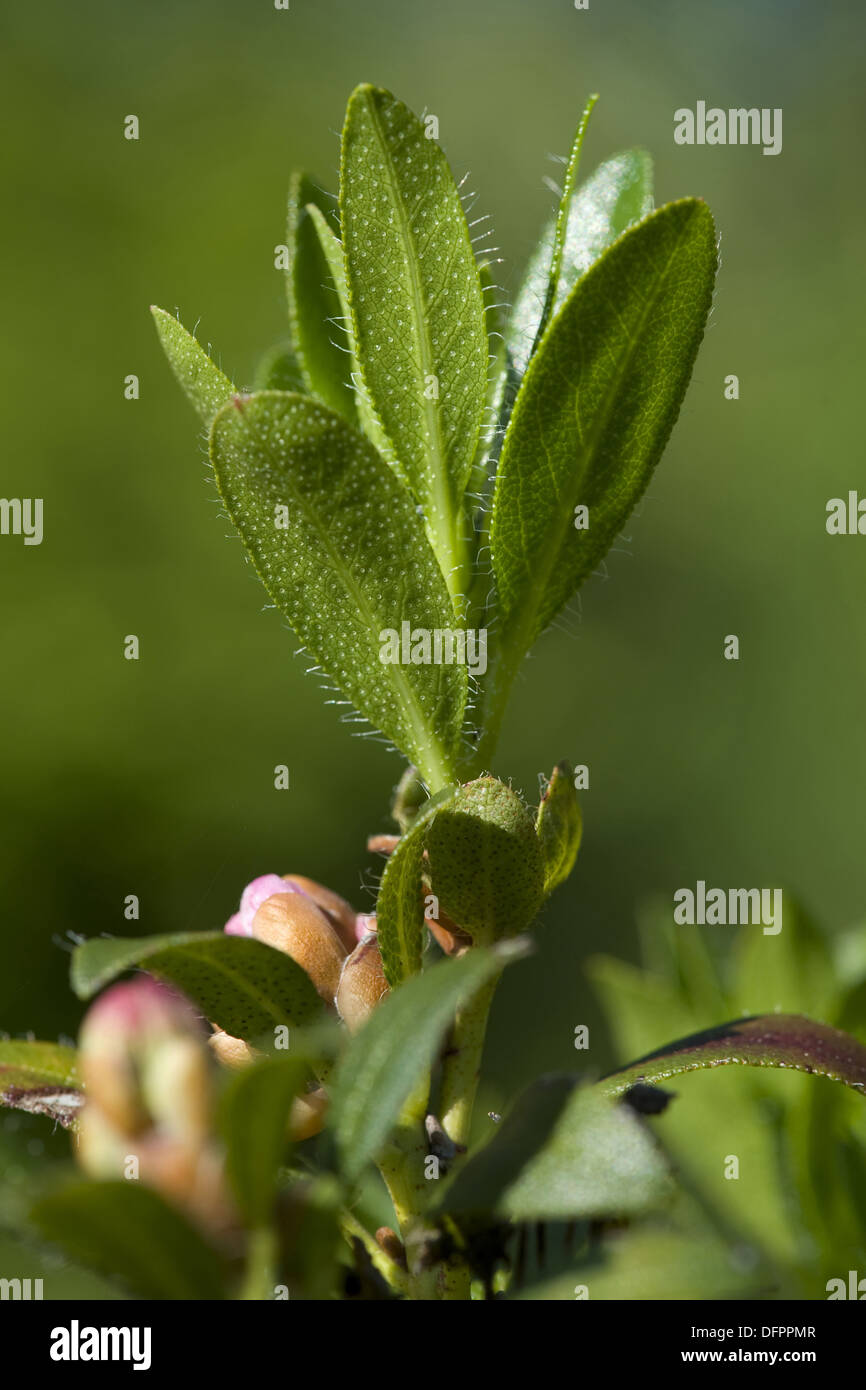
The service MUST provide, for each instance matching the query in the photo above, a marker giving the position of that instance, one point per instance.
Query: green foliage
(798, 1142)
(396, 1047)
(390, 332)
(485, 861)
(616, 196)
(39, 1077)
(203, 383)
(402, 438)
(126, 1230)
(594, 413)
(254, 1110)
(776, 1040)
(416, 305)
(346, 560)
(314, 302)
(565, 1151)
(241, 985)
(399, 903)
(559, 827)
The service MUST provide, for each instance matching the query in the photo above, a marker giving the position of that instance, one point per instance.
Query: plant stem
(391, 1272)
(259, 1275)
(462, 1064)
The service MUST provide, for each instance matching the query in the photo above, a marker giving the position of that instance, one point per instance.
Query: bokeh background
(156, 777)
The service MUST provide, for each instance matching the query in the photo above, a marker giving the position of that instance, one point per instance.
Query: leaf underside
(613, 198)
(776, 1040)
(40, 1078)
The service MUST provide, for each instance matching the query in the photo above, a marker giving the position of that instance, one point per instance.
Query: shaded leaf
(780, 1040)
(790, 970)
(314, 303)
(658, 1263)
(388, 1058)
(279, 370)
(126, 1231)
(559, 827)
(350, 562)
(564, 1152)
(595, 410)
(400, 903)
(734, 1110)
(416, 307)
(203, 382)
(560, 222)
(485, 862)
(241, 985)
(41, 1078)
(616, 196)
(254, 1121)
(367, 419)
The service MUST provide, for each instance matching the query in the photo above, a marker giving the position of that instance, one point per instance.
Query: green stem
(259, 1275)
(394, 1275)
(461, 1067)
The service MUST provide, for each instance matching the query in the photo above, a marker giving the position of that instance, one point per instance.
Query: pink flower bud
(144, 1059)
(256, 893)
(365, 925)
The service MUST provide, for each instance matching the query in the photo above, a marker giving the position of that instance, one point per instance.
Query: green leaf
(314, 303)
(389, 1056)
(279, 370)
(662, 1264)
(350, 562)
(205, 385)
(416, 306)
(333, 253)
(559, 827)
(485, 861)
(616, 196)
(41, 1078)
(725, 1110)
(779, 1040)
(254, 1120)
(564, 1152)
(560, 225)
(400, 903)
(595, 411)
(480, 482)
(790, 970)
(241, 985)
(126, 1230)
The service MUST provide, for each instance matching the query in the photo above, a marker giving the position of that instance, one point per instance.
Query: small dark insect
(647, 1100)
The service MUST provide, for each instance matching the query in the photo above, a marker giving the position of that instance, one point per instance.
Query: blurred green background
(156, 777)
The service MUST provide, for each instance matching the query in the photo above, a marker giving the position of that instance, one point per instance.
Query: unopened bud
(307, 1115)
(362, 984)
(255, 893)
(232, 1052)
(339, 913)
(292, 923)
(144, 1061)
(147, 1074)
